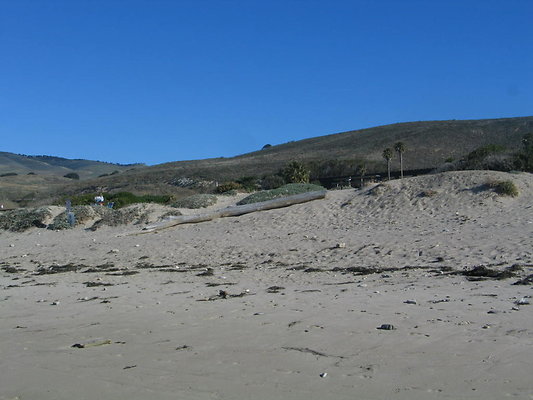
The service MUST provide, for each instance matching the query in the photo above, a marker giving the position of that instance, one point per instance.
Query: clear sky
(159, 80)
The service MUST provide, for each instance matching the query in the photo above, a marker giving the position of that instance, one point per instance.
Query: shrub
(196, 201)
(480, 153)
(287, 190)
(248, 183)
(136, 214)
(504, 188)
(272, 182)
(428, 193)
(82, 214)
(72, 175)
(524, 159)
(296, 172)
(333, 168)
(121, 199)
(22, 219)
(228, 186)
(8, 174)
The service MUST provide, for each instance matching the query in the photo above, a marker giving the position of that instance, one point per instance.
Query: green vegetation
(22, 219)
(120, 199)
(332, 168)
(72, 175)
(286, 190)
(82, 214)
(296, 172)
(481, 153)
(248, 183)
(115, 172)
(504, 188)
(272, 182)
(524, 158)
(196, 201)
(227, 187)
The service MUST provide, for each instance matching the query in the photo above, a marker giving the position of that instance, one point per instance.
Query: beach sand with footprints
(414, 289)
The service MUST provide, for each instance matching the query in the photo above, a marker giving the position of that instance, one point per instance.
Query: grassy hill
(428, 145)
(11, 163)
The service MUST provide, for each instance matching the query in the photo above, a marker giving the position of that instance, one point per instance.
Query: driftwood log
(235, 211)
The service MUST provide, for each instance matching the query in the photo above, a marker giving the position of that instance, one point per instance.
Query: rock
(323, 374)
(386, 327)
(523, 301)
(410, 301)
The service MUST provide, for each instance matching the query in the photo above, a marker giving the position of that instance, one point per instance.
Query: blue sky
(155, 81)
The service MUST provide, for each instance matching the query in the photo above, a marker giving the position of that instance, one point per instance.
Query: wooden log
(236, 211)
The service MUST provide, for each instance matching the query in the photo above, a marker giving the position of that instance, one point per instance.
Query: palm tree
(387, 155)
(400, 149)
(362, 171)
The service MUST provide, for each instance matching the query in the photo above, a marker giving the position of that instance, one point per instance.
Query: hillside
(428, 145)
(20, 164)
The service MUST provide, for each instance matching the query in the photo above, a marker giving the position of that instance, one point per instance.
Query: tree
(362, 171)
(72, 175)
(296, 172)
(387, 155)
(400, 149)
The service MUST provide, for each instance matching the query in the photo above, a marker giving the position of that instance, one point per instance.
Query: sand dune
(282, 303)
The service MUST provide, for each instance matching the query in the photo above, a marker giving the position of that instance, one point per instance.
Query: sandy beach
(414, 289)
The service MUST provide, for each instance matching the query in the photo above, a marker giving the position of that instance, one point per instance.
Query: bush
(196, 201)
(72, 175)
(524, 159)
(136, 214)
(272, 182)
(504, 188)
(22, 219)
(82, 214)
(287, 190)
(480, 153)
(248, 183)
(8, 174)
(120, 199)
(296, 172)
(428, 193)
(228, 186)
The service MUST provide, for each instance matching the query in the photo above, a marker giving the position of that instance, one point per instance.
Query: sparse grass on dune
(196, 201)
(287, 190)
(504, 188)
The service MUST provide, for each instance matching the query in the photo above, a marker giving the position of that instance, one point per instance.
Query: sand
(282, 303)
